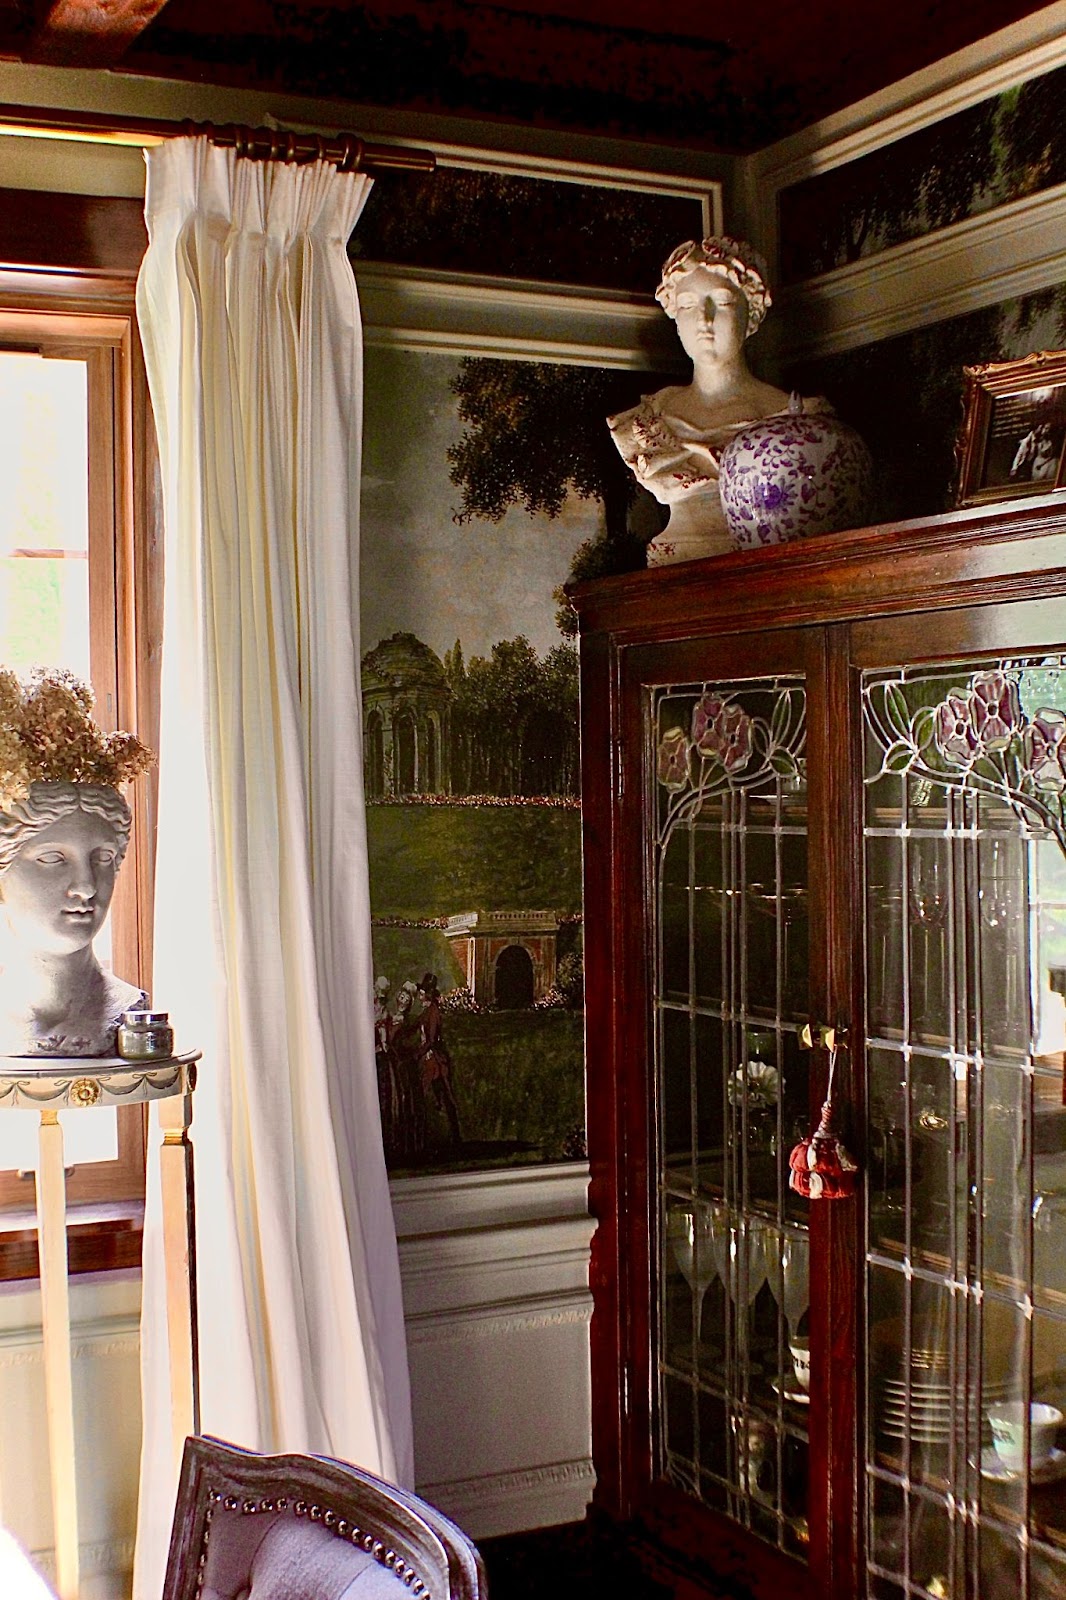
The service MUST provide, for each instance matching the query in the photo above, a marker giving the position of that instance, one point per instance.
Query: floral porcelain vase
(793, 476)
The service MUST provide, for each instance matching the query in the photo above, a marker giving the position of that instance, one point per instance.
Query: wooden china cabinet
(825, 786)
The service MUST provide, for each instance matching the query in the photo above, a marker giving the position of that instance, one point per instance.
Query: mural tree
(931, 178)
(533, 433)
(514, 720)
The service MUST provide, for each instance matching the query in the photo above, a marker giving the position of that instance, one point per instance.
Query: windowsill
(101, 1237)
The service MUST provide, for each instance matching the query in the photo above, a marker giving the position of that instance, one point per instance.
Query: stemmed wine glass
(795, 1280)
(743, 1263)
(695, 1234)
(791, 1286)
(929, 908)
(1000, 900)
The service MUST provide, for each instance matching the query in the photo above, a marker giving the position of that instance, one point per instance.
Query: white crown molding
(982, 261)
(531, 152)
(1026, 49)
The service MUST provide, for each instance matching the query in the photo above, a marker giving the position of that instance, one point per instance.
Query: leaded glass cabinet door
(964, 824)
(726, 779)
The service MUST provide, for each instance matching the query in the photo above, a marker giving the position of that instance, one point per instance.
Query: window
(78, 588)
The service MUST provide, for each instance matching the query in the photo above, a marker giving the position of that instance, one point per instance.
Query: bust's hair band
(734, 258)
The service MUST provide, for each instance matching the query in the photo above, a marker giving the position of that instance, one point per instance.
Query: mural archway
(514, 984)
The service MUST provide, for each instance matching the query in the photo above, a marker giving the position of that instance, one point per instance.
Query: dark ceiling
(726, 77)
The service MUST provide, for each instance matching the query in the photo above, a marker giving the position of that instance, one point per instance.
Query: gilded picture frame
(1013, 438)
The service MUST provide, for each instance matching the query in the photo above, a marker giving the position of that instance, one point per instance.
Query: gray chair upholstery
(294, 1527)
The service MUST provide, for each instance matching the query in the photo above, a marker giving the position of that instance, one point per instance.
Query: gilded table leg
(179, 1248)
(55, 1327)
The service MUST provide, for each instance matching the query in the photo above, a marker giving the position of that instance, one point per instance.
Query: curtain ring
(320, 147)
(290, 146)
(352, 158)
(275, 146)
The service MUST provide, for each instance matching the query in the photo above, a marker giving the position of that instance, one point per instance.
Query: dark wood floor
(578, 1561)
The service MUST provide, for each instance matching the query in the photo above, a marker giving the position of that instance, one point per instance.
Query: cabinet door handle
(827, 1038)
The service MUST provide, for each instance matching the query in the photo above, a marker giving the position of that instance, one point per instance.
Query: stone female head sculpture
(715, 290)
(64, 830)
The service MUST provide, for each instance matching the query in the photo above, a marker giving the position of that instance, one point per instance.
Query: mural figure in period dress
(404, 1043)
(434, 1061)
(385, 1065)
(716, 292)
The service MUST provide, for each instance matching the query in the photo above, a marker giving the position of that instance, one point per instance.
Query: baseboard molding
(514, 1502)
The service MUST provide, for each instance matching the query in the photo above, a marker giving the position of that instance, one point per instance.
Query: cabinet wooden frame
(992, 580)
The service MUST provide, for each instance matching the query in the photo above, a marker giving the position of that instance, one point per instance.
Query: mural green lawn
(441, 860)
(519, 1084)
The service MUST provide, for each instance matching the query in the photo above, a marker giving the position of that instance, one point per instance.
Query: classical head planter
(715, 291)
(64, 829)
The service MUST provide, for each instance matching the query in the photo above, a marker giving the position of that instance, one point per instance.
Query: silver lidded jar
(145, 1036)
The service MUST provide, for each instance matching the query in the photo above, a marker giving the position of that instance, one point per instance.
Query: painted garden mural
(482, 480)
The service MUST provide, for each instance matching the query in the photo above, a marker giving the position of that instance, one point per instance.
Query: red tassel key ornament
(820, 1168)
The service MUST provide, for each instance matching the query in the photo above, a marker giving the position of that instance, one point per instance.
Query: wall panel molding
(475, 1322)
(1027, 49)
(982, 261)
(556, 1493)
(495, 1271)
(447, 311)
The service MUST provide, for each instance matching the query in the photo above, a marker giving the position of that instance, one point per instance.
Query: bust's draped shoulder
(672, 457)
(88, 1029)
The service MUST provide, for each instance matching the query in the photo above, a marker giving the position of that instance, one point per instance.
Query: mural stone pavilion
(508, 958)
(406, 719)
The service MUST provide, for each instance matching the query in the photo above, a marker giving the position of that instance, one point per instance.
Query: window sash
(124, 609)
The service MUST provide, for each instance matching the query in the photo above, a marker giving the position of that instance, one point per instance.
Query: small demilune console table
(52, 1084)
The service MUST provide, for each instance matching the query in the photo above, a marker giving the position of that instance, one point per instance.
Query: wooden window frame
(68, 268)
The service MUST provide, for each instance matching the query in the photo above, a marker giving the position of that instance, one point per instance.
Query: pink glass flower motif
(1045, 750)
(673, 759)
(722, 730)
(994, 709)
(952, 730)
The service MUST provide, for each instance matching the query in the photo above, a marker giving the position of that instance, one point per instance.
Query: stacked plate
(934, 1408)
(931, 1410)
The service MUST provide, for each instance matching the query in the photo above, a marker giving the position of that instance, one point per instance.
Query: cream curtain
(251, 331)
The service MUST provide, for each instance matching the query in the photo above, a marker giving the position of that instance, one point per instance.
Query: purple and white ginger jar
(793, 476)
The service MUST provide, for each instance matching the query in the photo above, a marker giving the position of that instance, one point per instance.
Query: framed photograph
(1014, 429)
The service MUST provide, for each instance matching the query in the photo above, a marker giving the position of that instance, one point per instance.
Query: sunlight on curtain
(250, 323)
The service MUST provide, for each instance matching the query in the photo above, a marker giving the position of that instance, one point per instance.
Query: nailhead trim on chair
(329, 1519)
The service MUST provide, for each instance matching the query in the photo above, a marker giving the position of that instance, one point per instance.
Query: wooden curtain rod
(347, 150)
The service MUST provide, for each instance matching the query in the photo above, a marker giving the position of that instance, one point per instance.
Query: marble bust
(715, 291)
(60, 850)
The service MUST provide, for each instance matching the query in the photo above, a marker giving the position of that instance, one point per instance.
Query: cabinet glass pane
(727, 766)
(965, 918)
